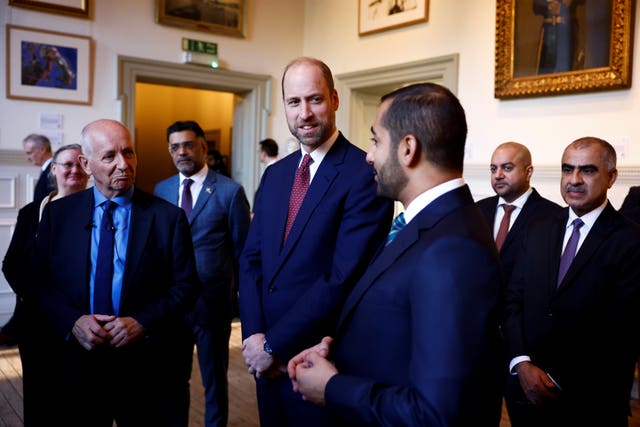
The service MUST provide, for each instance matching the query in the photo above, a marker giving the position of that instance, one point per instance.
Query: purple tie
(298, 191)
(102, 303)
(187, 200)
(570, 250)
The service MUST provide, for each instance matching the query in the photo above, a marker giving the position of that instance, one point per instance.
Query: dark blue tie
(102, 303)
(397, 226)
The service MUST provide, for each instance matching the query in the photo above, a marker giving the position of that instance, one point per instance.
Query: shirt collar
(46, 163)
(198, 177)
(424, 199)
(589, 218)
(318, 154)
(519, 202)
(121, 200)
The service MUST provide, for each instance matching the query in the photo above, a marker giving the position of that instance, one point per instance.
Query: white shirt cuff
(517, 360)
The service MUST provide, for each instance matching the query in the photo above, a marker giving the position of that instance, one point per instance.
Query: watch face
(267, 348)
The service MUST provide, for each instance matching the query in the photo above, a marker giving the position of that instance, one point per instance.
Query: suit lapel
(425, 220)
(601, 230)
(322, 180)
(139, 230)
(207, 191)
(521, 221)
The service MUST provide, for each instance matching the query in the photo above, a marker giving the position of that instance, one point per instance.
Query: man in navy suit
(317, 222)
(631, 205)
(511, 170)
(573, 303)
(417, 341)
(218, 213)
(111, 311)
(38, 151)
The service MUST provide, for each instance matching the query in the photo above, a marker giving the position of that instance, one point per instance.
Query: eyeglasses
(69, 165)
(187, 145)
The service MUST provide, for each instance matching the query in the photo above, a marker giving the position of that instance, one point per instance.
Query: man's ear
(84, 162)
(409, 151)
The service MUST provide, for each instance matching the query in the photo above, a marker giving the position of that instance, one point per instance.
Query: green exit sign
(198, 46)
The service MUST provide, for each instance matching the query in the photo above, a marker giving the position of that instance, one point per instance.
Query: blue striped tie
(102, 303)
(397, 226)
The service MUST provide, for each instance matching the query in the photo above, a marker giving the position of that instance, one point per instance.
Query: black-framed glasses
(69, 165)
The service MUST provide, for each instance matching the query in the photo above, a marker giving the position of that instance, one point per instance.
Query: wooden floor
(242, 400)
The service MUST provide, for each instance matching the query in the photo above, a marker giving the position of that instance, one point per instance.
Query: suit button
(271, 289)
(549, 313)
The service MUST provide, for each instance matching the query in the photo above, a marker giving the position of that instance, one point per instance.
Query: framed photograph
(552, 47)
(48, 66)
(219, 17)
(381, 15)
(77, 8)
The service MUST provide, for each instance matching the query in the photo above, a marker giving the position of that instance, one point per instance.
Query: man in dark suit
(516, 203)
(573, 303)
(218, 213)
(38, 151)
(317, 222)
(631, 205)
(417, 340)
(116, 275)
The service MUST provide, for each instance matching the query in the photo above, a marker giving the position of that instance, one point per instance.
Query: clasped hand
(100, 330)
(310, 371)
(258, 361)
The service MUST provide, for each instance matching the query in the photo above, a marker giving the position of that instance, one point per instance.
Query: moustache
(575, 189)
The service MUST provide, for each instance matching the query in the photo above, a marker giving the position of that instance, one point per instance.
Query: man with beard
(516, 203)
(573, 303)
(417, 340)
(218, 213)
(317, 223)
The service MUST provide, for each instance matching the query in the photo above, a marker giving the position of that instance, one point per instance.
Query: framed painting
(226, 18)
(552, 47)
(77, 8)
(381, 15)
(48, 66)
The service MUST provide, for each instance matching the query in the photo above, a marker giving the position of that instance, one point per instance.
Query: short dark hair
(180, 126)
(324, 69)
(434, 116)
(39, 141)
(609, 156)
(270, 147)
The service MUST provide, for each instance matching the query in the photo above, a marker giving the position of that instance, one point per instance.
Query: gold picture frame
(76, 8)
(226, 18)
(383, 15)
(49, 66)
(569, 47)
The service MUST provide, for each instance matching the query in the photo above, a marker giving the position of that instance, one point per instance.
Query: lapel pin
(209, 190)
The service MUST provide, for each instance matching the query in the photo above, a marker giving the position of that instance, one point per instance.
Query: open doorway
(251, 101)
(158, 106)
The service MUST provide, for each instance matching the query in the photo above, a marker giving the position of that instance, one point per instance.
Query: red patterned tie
(298, 191)
(504, 225)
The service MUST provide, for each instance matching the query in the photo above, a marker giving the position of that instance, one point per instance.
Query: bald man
(511, 171)
(112, 311)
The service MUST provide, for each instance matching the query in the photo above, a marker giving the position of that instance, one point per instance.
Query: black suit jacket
(536, 206)
(44, 186)
(631, 205)
(584, 332)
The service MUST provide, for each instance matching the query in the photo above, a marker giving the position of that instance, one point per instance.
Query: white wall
(467, 27)
(274, 35)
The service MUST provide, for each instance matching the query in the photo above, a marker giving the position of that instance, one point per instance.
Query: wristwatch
(267, 348)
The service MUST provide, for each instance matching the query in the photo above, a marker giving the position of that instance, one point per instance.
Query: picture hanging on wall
(217, 17)
(77, 8)
(48, 66)
(381, 15)
(552, 47)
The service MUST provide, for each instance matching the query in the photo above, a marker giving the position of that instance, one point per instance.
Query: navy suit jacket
(293, 291)
(584, 331)
(44, 186)
(417, 342)
(159, 284)
(219, 225)
(536, 206)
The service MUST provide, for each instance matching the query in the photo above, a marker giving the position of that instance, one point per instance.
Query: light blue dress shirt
(121, 222)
